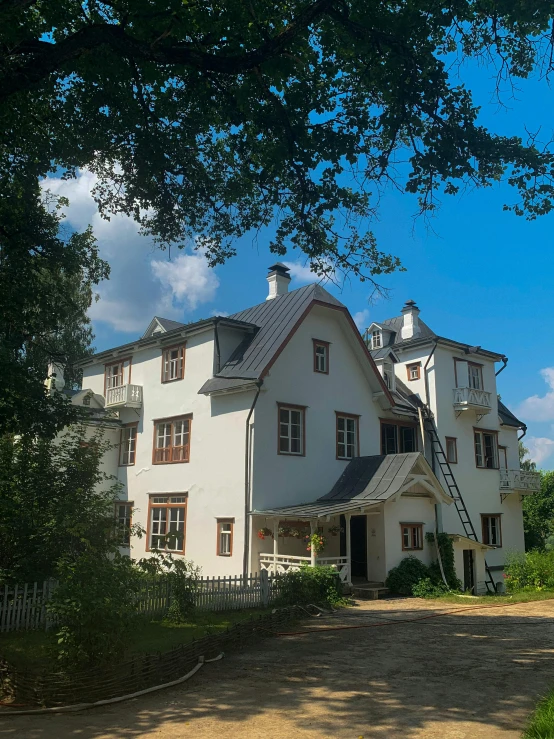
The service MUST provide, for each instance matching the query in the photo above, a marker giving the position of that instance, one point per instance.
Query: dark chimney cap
(280, 269)
(409, 305)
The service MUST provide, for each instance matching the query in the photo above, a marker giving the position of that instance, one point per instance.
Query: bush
(409, 572)
(93, 607)
(182, 576)
(310, 585)
(446, 549)
(530, 571)
(429, 588)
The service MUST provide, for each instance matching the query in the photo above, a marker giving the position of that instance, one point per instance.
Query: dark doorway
(358, 545)
(469, 571)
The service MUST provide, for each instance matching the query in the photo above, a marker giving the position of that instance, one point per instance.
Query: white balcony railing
(466, 398)
(277, 564)
(520, 481)
(126, 396)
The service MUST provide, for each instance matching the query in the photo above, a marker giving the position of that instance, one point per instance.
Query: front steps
(369, 590)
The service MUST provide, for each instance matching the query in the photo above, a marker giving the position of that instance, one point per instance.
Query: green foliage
(525, 464)
(182, 576)
(215, 118)
(319, 585)
(541, 725)
(402, 578)
(429, 588)
(446, 549)
(54, 502)
(538, 514)
(530, 571)
(46, 282)
(93, 608)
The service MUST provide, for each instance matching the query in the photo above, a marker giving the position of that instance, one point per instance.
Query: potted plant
(315, 543)
(262, 533)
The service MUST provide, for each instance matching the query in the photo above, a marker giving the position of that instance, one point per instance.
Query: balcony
(519, 481)
(124, 396)
(469, 398)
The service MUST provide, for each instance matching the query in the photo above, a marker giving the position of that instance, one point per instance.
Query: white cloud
(220, 313)
(144, 280)
(361, 319)
(540, 448)
(301, 272)
(536, 408)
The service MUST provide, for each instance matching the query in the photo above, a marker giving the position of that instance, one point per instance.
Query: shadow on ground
(471, 674)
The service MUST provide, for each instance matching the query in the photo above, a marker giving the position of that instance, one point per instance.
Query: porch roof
(469, 543)
(367, 482)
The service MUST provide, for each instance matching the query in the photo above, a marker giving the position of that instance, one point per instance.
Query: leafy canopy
(213, 119)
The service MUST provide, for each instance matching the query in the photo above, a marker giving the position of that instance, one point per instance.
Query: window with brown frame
(172, 440)
(173, 363)
(492, 529)
(321, 356)
(167, 516)
(348, 436)
(451, 450)
(414, 371)
(128, 445)
(486, 449)
(225, 528)
(123, 518)
(292, 429)
(412, 536)
(398, 438)
(113, 374)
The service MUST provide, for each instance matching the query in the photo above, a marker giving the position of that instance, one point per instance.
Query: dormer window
(376, 340)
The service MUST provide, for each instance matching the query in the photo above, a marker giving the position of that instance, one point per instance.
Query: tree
(538, 514)
(210, 120)
(55, 503)
(525, 464)
(46, 288)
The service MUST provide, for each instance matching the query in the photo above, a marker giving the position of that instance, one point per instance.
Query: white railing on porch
(277, 564)
(469, 397)
(520, 480)
(125, 395)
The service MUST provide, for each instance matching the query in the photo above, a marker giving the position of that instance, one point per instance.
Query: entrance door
(469, 571)
(358, 545)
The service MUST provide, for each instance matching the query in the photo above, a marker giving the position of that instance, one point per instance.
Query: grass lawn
(541, 725)
(35, 649)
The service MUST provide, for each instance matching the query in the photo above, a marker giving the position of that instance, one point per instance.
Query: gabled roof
(368, 481)
(161, 325)
(276, 320)
(507, 418)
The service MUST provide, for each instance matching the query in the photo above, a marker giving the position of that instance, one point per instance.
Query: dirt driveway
(474, 674)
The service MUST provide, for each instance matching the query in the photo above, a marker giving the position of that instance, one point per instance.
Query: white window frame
(475, 376)
(124, 520)
(479, 445)
(347, 436)
(173, 367)
(494, 530)
(376, 339)
(288, 421)
(321, 357)
(128, 445)
(225, 537)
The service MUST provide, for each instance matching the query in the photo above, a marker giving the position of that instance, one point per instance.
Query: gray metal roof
(507, 418)
(366, 481)
(168, 324)
(275, 320)
(395, 325)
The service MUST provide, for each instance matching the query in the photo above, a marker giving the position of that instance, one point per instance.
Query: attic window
(376, 340)
(157, 330)
(86, 400)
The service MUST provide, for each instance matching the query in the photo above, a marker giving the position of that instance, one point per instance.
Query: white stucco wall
(407, 510)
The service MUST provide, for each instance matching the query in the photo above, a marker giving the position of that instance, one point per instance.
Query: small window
(475, 376)
(166, 523)
(291, 429)
(396, 438)
(486, 449)
(347, 436)
(173, 363)
(123, 519)
(172, 440)
(451, 450)
(114, 375)
(321, 357)
(412, 536)
(128, 445)
(225, 537)
(376, 340)
(414, 371)
(492, 529)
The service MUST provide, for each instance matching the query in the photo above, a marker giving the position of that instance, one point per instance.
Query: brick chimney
(410, 328)
(278, 279)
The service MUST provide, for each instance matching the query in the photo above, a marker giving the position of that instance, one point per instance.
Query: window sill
(127, 465)
(176, 461)
(291, 454)
(175, 379)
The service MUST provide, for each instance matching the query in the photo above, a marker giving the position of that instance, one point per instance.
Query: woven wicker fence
(57, 689)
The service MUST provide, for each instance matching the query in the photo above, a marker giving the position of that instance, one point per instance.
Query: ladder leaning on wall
(452, 485)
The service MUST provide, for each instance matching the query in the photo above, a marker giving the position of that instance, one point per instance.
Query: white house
(239, 435)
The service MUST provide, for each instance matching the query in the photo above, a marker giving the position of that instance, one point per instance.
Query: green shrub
(182, 576)
(409, 572)
(446, 549)
(530, 571)
(92, 608)
(429, 588)
(310, 585)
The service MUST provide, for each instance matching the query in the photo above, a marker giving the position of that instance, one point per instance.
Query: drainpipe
(246, 556)
(426, 379)
(504, 363)
(519, 438)
(217, 350)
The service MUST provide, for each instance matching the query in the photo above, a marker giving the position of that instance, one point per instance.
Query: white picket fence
(23, 607)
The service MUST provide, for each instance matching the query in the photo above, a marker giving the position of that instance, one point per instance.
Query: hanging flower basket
(315, 543)
(284, 531)
(335, 530)
(262, 533)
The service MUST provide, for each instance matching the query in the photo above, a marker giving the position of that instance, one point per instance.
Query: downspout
(217, 350)
(246, 555)
(426, 382)
(504, 363)
(519, 438)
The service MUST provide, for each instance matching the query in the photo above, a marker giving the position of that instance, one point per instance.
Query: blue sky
(479, 274)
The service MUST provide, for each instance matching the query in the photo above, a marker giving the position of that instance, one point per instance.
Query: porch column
(313, 528)
(275, 543)
(347, 517)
